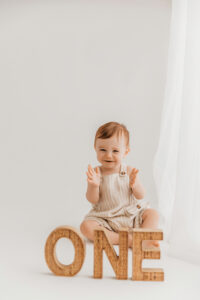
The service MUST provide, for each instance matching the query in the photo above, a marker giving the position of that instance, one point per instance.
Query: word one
(101, 242)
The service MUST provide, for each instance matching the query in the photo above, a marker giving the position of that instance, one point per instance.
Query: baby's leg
(87, 228)
(150, 219)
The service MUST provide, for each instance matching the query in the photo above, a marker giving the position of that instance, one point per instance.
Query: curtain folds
(177, 160)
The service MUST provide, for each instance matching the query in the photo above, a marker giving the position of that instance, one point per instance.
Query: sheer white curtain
(177, 160)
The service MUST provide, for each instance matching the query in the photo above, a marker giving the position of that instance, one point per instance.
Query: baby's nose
(109, 155)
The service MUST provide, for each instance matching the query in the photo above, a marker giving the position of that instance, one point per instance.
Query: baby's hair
(109, 129)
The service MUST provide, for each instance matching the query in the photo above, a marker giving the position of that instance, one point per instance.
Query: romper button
(138, 206)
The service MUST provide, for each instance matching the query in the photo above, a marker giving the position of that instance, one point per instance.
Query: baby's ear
(127, 151)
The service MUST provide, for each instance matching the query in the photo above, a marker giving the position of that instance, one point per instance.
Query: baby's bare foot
(150, 244)
(146, 243)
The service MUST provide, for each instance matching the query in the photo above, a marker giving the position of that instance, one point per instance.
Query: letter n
(119, 263)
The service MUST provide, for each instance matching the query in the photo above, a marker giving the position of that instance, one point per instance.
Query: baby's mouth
(108, 160)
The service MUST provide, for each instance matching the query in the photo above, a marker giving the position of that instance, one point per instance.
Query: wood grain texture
(119, 263)
(50, 251)
(146, 274)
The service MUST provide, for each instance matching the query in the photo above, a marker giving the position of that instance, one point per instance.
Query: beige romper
(117, 207)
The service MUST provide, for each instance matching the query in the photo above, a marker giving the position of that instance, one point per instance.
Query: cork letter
(145, 274)
(119, 263)
(50, 252)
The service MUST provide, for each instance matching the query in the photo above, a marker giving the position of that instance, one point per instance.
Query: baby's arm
(138, 189)
(135, 184)
(93, 179)
(92, 193)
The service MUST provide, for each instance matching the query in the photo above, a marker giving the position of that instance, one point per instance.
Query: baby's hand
(132, 177)
(93, 176)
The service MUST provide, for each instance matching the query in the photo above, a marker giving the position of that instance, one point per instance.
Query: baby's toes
(150, 244)
(156, 243)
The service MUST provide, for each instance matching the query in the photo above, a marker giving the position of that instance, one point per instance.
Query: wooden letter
(119, 263)
(50, 252)
(139, 273)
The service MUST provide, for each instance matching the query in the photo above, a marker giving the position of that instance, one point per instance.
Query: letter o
(50, 252)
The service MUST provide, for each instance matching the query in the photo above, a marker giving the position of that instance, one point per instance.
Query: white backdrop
(67, 67)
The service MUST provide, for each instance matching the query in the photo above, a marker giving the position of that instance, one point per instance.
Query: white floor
(25, 275)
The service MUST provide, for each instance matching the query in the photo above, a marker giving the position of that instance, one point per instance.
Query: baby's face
(111, 151)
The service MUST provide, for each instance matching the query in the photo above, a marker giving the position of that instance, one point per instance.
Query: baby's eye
(115, 151)
(102, 150)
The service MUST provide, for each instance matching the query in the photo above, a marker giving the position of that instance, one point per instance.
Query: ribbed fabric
(117, 207)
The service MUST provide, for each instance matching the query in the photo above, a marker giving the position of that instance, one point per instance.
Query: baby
(115, 190)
